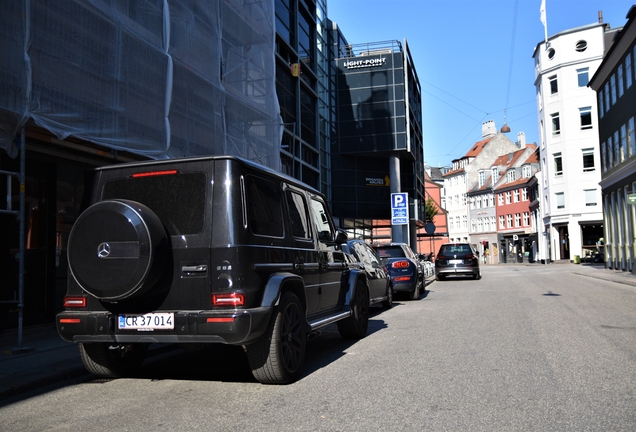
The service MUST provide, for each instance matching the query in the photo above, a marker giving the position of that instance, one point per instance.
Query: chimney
(600, 17)
(521, 140)
(488, 129)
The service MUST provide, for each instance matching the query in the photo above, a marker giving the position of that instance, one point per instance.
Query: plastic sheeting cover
(159, 78)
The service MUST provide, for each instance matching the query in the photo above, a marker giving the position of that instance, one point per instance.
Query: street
(527, 347)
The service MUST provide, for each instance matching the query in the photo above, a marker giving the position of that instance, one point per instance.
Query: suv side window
(321, 220)
(264, 213)
(298, 215)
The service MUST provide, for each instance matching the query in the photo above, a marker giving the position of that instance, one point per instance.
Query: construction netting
(159, 78)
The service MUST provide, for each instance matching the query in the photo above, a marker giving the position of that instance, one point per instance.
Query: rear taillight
(154, 173)
(402, 278)
(220, 320)
(229, 299)
(75, 302)
(400, 264)
(70, 320)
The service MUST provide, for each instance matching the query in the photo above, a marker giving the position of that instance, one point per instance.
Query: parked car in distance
(405, 268)
(207, 250)
(376, 271)
(457, 259)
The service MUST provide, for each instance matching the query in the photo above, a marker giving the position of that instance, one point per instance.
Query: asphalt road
(527, 348)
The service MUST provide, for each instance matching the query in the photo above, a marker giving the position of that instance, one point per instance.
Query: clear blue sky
(469, 68)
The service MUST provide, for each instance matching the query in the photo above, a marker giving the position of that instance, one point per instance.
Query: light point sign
(372, 62)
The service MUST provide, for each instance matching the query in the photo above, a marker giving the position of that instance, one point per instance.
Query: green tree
(431, 209)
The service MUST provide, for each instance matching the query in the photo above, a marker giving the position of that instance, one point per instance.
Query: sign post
(399, 209)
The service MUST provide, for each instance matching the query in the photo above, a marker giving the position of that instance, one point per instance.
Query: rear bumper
(468, 270)
(238, 327)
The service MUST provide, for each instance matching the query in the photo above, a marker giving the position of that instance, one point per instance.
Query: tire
(388, 303)
(117, 249)
(278, 355)
(112, 360)
(355, 327)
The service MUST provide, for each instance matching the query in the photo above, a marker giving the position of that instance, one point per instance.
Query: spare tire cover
(113, 249)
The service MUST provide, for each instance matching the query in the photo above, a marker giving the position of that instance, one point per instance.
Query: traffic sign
(399, 209)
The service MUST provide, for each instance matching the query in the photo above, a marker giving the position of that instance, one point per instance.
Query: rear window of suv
(455, 249)
(177, 199)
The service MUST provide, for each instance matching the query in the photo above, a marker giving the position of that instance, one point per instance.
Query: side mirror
(341, 236)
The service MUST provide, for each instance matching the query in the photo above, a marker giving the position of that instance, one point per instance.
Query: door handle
(201, 268)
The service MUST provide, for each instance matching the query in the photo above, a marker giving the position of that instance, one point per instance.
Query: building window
(500, 199)
(495, 175)
(581, 46)
(526, 171)
(586, 117)
(451, 223)
(618, 150)
(509, 221)
(628, 70)
(613, 88)
(554, 86)
(491, 200)
(482, 178)
(502, 222)
(508, 197)
(556, 124)
(631, 137)
(606, 92)
(619, 77)
(588, 160)
(511, 176)
(583, 75)
(624, 147)
(601, 110)
(560, 200)
(603, 157)
(558, 164)
(590, 197)
(610, 153)
(526, 219)
(464, 222)
(524, 194)
(517, 220)
(516, 195)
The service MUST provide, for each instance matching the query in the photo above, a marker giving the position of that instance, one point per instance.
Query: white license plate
(151, 321)
(455, 261)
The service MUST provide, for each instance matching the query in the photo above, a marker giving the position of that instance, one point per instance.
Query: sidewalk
(47, 359)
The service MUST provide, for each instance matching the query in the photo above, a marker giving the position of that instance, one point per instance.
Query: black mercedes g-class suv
(206, 250)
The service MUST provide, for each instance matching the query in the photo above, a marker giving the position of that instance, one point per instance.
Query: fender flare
(273, 289)
(354, 276)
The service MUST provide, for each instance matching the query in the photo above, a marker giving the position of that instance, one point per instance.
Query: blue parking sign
(399, 209)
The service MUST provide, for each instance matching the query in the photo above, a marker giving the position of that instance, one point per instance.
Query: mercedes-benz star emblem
(103, 250)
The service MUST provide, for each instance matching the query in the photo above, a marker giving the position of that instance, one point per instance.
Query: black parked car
(207, 250)
(457, 259)
(377, 274)
(405, 268)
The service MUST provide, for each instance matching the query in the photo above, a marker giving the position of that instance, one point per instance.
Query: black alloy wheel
(355, 327)
(278, 355)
